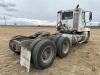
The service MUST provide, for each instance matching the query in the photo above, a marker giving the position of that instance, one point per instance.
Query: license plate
(25, 58)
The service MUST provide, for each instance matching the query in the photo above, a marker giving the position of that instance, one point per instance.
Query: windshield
(67, 15)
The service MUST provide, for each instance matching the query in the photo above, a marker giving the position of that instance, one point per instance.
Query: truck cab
(74, 20)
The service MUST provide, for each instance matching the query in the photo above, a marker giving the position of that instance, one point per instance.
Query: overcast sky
(39, 11)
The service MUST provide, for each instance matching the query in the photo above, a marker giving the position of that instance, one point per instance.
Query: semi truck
(41, 48)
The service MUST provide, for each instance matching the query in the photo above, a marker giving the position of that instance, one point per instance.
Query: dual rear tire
(63, 46)
(43, 54)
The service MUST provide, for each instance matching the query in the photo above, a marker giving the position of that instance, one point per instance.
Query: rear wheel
(44, 54)
(32, 45)
(63, 46)
(12, 44)
(56, 39)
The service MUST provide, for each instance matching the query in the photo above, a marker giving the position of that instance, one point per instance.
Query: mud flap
(25, 58)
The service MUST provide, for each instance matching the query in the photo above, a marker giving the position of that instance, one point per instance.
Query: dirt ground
(83, 59)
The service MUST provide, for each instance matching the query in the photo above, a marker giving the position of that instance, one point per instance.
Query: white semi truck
(42, 47)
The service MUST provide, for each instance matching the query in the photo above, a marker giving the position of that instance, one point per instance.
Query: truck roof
(69, 10)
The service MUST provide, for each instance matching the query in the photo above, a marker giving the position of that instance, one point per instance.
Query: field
(83, 59)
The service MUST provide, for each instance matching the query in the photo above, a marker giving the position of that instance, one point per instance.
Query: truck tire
(32, 45)
(44, 54)
(12, 44)
(12, 47)
(17, 37)
(56, 39)
(42, 33)
(63, 46)
(87, 39)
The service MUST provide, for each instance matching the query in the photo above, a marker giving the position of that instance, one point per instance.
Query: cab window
(67, 15)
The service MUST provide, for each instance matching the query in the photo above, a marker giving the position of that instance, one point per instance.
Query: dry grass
(84, 59)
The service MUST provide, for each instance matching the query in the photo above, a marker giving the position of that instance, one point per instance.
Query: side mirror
(90, 16)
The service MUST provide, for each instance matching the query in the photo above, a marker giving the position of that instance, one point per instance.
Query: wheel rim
(47, 54)
(65, 47)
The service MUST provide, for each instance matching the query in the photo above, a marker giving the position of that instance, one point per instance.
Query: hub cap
(47, 54)
(65, 47)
